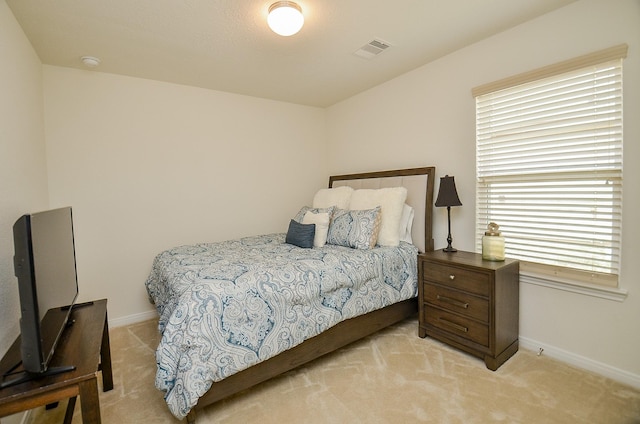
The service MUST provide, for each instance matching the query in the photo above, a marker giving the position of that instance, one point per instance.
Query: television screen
(45, 265)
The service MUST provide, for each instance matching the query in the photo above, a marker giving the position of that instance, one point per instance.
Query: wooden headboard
(419, 184)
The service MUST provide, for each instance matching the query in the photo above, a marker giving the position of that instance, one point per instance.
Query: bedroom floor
(391, 377)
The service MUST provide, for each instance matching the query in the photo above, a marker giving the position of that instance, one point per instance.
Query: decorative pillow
(321, 220)
(338, 197)
(391, 201)
(303, 211)
(357, 229)
(406, 224)
(301, 235)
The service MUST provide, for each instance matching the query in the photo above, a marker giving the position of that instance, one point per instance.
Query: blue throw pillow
(303, 211)
(301, 235)
(356, 229)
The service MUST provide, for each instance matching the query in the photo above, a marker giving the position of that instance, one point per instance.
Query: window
(549, 167)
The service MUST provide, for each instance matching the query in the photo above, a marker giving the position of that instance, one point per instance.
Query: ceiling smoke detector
(90, 61)
(372, 49)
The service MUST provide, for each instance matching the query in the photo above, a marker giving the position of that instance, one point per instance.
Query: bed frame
(419, 183)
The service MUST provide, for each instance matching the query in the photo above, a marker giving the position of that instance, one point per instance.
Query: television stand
(24, 376)
(84, 344)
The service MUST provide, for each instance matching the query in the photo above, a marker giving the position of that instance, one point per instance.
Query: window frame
(605, 285)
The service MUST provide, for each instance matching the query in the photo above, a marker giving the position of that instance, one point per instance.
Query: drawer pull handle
(454, 325)
(454, 302)
(452, 277)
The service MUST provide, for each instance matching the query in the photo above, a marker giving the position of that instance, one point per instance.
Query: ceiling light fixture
(285, 18)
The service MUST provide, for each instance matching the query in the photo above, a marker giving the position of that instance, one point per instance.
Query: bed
(228, 324)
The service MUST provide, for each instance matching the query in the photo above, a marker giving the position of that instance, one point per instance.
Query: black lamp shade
(447, 195)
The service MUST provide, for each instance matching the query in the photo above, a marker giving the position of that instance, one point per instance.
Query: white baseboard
(18, 418)
(578, 361)
(132, 319)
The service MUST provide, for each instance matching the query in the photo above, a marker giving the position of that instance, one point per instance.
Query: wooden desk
(85, 344)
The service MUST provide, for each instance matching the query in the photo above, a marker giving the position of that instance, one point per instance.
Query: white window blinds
(549, 171)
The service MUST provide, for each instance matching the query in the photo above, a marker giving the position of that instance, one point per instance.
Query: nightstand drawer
(459, 278)
(453, 300)
(457, 325)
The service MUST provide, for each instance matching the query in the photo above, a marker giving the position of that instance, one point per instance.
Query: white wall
(427, 117)
(23, 183)
(149, 165)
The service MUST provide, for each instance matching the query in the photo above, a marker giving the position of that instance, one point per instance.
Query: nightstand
(470, 303)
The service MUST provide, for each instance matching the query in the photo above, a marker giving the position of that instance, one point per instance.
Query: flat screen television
(45, 265)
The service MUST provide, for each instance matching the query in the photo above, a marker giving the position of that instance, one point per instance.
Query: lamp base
(449, 248)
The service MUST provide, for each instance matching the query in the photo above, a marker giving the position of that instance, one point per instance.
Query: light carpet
(391, 377)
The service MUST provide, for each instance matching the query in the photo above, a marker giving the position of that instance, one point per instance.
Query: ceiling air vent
(372, 49)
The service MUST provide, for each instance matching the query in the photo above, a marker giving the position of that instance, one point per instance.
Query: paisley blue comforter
(227, 306)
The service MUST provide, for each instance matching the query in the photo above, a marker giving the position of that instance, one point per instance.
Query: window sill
(609, 293)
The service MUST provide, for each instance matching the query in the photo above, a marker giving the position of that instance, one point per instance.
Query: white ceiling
(226, 44)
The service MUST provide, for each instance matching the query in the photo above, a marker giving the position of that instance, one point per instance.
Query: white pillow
(338, 196)
(322, 226)
(391, 201)
(406, 224)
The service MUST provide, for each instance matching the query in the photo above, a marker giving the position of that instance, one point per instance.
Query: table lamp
(448, 196)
